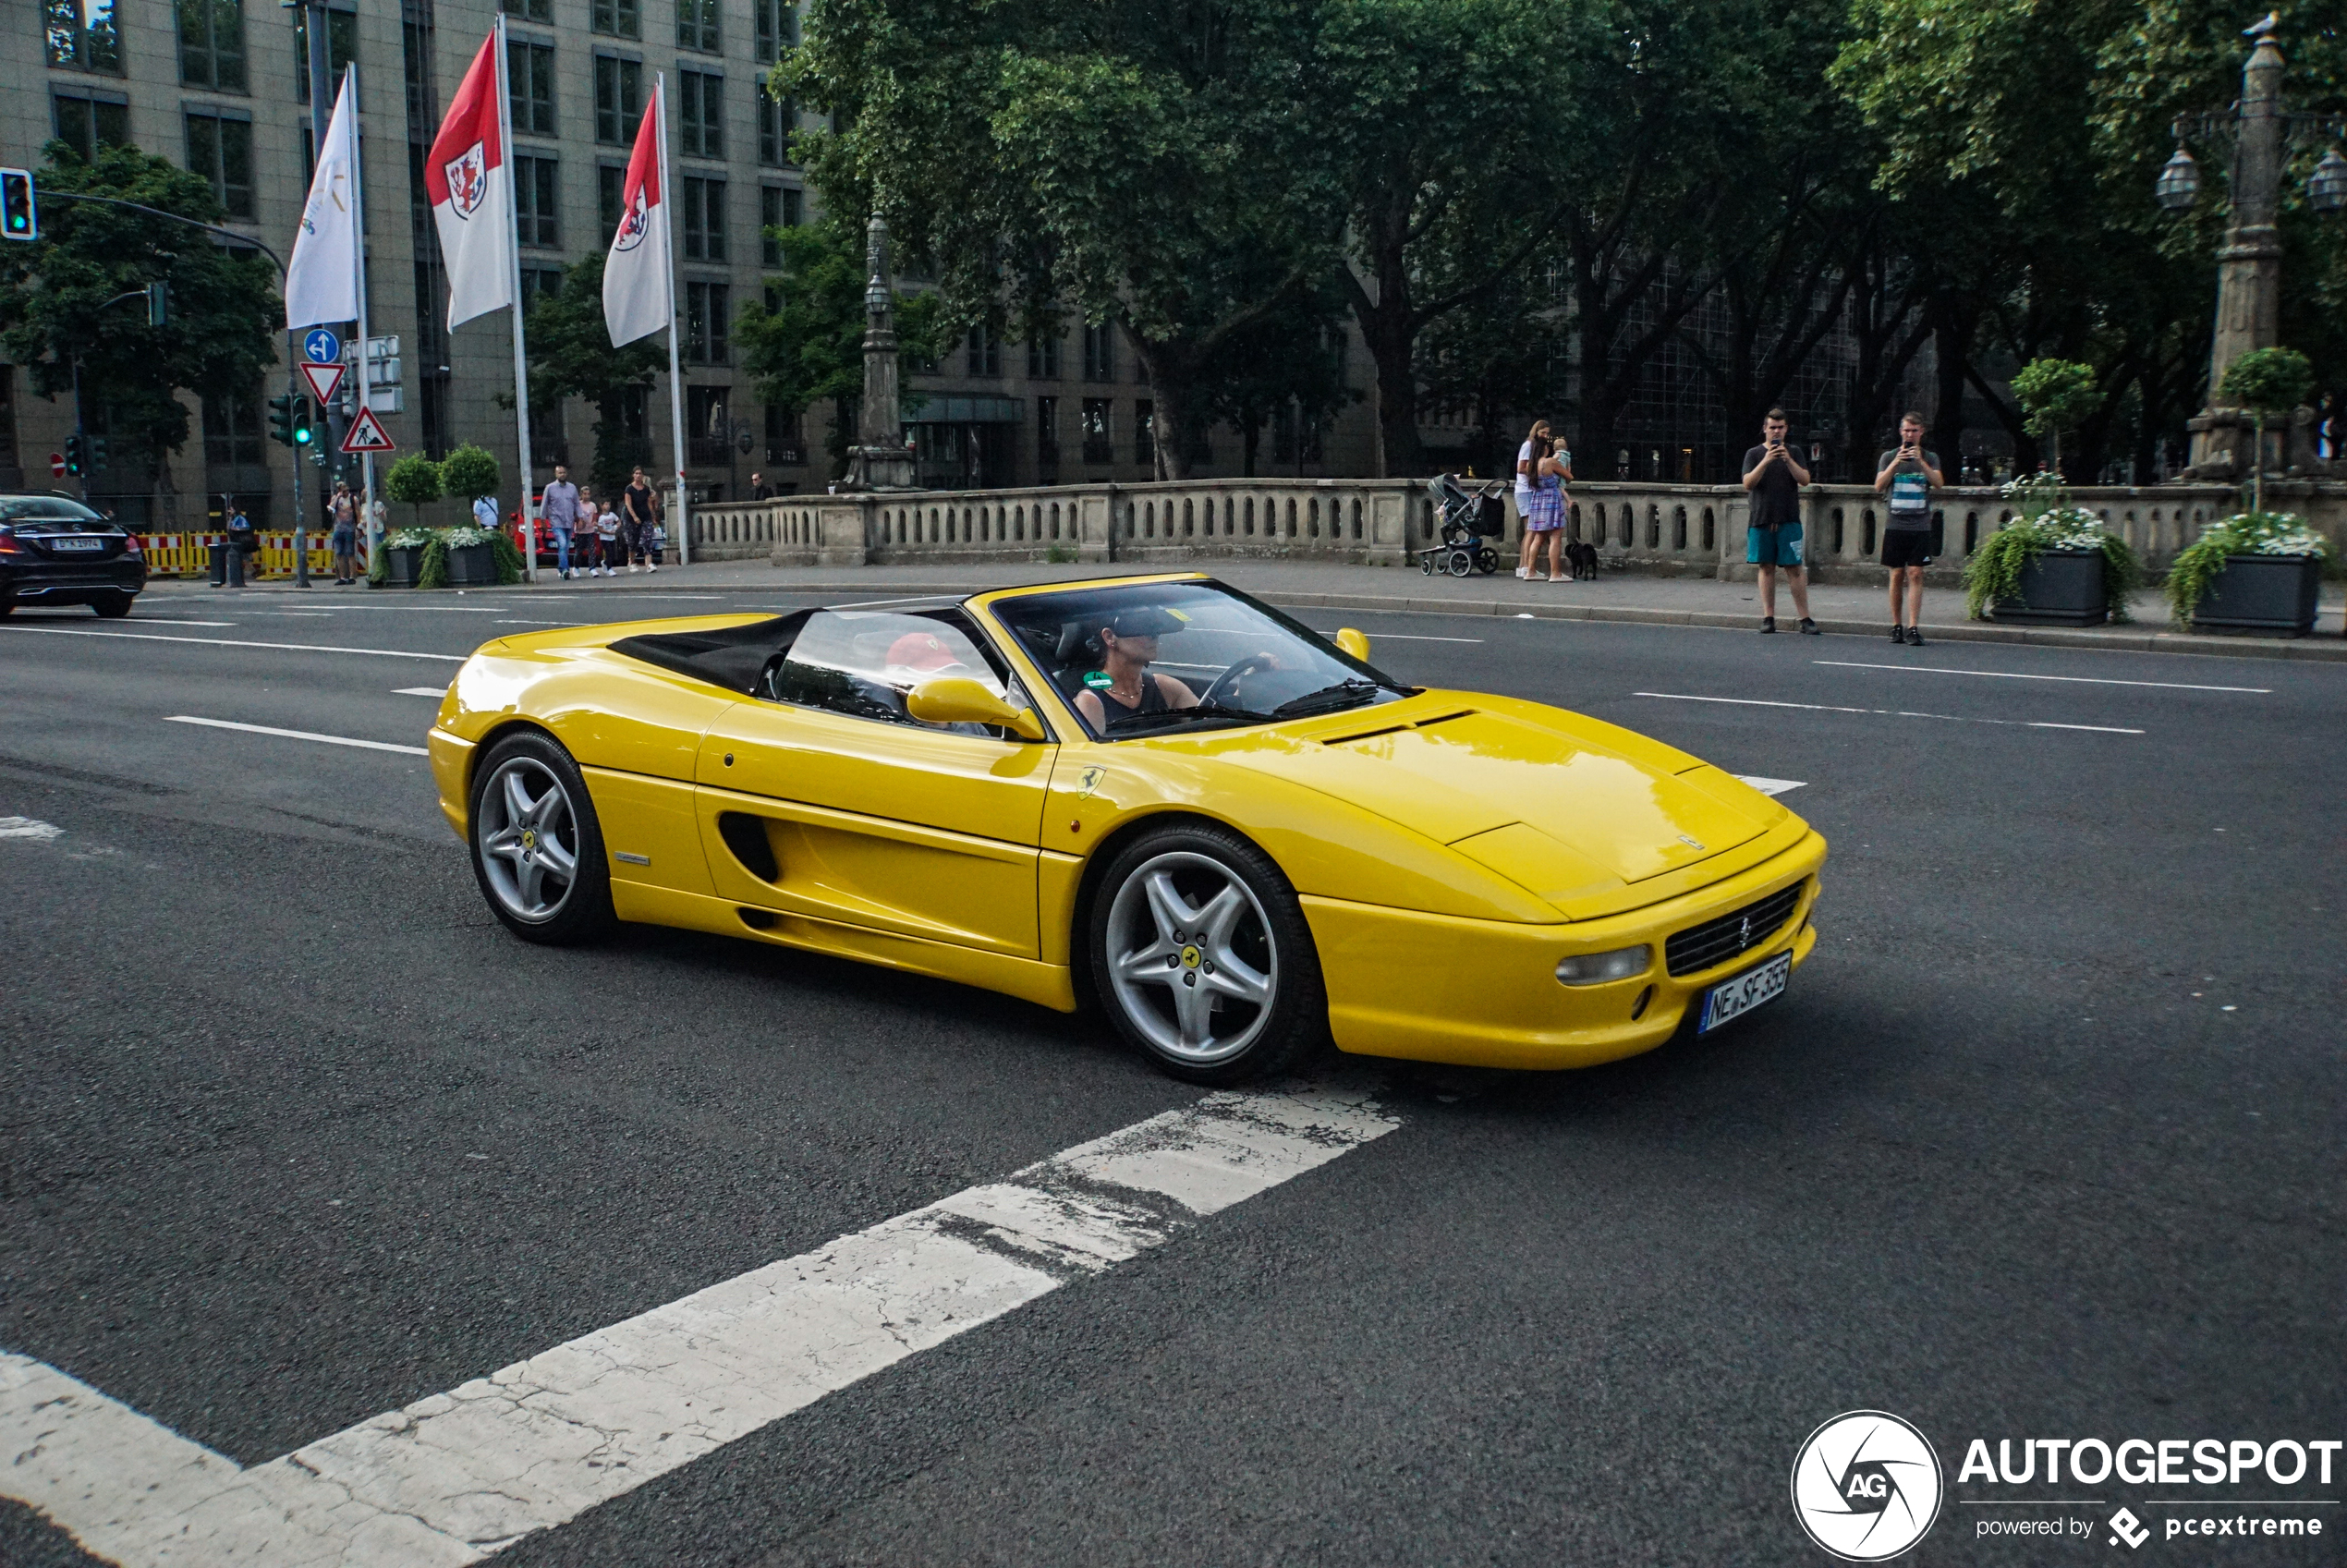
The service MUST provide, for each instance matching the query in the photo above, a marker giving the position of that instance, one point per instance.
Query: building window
(536, 282)
(707, 429)
(86, 119)
(618, 18)
(83, 34)
(529, 81)
(212, 44)
(534, 183)
(610, 180)
(342, 47)
(985, 350)
(1145, 433)
(779, 207)
(777, 29)
(528, 11)
(220, 148)
(1047, 433)
(704, 219)
(1043, 356)
(232, 430)
(1100, 444)
(708, 315)
(697, 25)
(700, 97)
(1100, 352)
(619, 99)
(784, 444)
(777, 118)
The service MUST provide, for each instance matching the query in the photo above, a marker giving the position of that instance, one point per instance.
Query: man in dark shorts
(1908, 475)
(1772, 538)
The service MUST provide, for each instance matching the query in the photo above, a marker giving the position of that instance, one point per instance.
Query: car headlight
(1602, 968)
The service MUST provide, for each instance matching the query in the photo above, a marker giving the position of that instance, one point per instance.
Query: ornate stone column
(880, 460)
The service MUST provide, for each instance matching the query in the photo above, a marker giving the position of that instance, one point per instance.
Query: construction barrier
(189, 555)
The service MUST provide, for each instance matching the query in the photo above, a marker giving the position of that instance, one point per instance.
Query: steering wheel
(1227, 682)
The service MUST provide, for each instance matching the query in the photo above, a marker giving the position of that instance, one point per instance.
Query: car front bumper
(1437, 987)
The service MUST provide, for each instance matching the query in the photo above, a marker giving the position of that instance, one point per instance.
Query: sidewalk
(1698, 602)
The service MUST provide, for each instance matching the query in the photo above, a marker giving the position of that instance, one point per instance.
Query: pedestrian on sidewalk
(640, 513)
(607, 546)
(1528, 459)
(344, 536)
(1772, 536)
(485, 512)
(1544, 518)
(758, 489)
(561, 506)
(1908, 475)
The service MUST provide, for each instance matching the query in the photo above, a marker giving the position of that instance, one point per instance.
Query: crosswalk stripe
(452, 1478)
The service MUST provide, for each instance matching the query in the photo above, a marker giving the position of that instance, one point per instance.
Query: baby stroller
(1469, 521)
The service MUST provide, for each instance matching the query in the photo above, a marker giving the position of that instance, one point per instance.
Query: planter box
(401, 566)
(2059, 588)
(2263, 594)
(473, 566)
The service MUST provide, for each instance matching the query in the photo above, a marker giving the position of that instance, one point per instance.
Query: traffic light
(281, 419)
(73, 454)
(20, 218)
(97, 456)
(302, 432)
(159, 304)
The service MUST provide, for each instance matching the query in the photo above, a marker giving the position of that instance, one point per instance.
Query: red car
(547, 556)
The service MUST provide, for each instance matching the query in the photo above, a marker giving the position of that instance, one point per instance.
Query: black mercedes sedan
(53, 550)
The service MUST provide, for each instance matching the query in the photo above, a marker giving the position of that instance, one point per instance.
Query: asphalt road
(2043, 1143)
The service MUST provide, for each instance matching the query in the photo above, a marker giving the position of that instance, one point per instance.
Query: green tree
(415, 482)
(1157, 166)
(56, 293)
(2267, 381)
(2057, 393)
(468, 471)
(571, 355)
(807, 344)
(1287, 364)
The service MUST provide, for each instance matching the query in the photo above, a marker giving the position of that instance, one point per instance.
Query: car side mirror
(1354, 643)
(958, 699)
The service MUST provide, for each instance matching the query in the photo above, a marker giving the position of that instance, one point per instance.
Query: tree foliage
(59, 301)
(571, 355)
(468, 471)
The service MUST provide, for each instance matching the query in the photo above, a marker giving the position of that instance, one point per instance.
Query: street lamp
(2256, 135)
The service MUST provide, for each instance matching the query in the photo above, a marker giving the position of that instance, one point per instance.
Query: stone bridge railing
(1690, 529)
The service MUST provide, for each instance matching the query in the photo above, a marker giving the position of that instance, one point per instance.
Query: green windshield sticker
(1099, 679)
(1176, 613)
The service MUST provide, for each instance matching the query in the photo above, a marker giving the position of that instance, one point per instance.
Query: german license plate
(1733, 999)
(74, 541)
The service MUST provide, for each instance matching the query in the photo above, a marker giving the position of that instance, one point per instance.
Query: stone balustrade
(1661, 528)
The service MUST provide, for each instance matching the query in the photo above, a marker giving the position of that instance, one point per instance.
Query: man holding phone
(1772, 538)
(1908, 475)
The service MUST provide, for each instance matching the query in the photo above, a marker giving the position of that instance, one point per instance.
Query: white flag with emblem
(470, 182)
(637, 295)
(322, 280)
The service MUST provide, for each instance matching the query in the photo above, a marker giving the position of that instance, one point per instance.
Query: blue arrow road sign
(322, 347)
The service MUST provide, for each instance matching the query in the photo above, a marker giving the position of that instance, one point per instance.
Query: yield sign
(366, 434)
(322, 379)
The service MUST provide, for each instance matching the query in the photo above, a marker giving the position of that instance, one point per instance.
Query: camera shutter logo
(1867, 1486)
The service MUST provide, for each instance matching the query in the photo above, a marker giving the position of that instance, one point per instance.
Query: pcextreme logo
(1867, 1486)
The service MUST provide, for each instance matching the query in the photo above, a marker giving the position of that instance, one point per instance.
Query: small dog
(1580, 559)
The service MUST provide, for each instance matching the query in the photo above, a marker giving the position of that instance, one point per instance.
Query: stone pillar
(2248, 263)
(882, 461)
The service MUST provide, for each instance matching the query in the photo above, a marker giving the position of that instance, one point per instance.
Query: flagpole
(359, 220)
(521, 349)
(676, 376)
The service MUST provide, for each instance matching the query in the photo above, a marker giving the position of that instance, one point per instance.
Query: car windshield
(45, 508)
(1150, 658)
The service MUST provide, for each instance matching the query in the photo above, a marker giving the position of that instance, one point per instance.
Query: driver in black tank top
(1129, 645)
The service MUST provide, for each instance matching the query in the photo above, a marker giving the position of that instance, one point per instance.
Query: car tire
(113, 609)
(527, 796)
(1201, 958)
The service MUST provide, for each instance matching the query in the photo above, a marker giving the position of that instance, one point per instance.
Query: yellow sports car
(1237, 837)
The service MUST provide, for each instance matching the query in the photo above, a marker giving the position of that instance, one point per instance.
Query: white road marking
(1886, 713)
(297, 734)
(309, 614)
(537, 623)
(159, 621)
(28, 827)
(1771, 786)
(420, 691)
(453, 1477)
(2011, 675)
(227, 642)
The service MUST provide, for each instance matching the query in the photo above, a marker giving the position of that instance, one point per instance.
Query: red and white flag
(637, 294)
(470, 182)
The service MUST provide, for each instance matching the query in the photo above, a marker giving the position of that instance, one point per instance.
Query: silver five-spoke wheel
(1191, 958)
(530, 839)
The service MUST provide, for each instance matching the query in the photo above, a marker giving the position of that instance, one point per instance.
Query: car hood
(1569, 808)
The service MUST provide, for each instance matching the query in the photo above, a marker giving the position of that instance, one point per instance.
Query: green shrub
(2245, 533)
(468, 471)
(415, 480)
(2048, 521)
(2267, 381)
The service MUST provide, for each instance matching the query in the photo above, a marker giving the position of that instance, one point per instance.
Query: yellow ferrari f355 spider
(1238, 837)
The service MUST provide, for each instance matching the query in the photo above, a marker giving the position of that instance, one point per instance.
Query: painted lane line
(159, 621)
(452, 1478)
(2011, 675)
(29, 828)
(226, 642)
(420, 691)
(297, 734)
(1886, 713)
(1771, 786)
